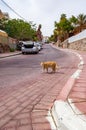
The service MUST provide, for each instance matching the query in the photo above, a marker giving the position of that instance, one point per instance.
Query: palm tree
(63, 16)
(74, 21)
(81, 21)
(58, 31)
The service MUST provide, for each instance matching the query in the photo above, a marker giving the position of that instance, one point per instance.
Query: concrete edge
(62, 112)
(65, 118)
(9, 55)
(66, 89)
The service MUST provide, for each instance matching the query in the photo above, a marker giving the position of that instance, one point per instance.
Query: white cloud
(44, 12)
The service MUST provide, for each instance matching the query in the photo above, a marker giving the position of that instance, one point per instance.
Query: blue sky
(44, 12)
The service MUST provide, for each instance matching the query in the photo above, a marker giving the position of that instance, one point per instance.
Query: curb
(9, 55)
(65, 118)
(66, 89)
(62, 112)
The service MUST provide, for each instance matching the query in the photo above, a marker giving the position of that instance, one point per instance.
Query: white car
(39, 45)
(29, 47)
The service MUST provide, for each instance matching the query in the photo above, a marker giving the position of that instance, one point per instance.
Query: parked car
(38, 45)
(29, 47)
(19, 45)
(41, 44)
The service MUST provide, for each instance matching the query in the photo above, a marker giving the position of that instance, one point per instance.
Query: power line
(13, 10)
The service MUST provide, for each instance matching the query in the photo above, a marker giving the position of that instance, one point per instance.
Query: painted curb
(66, 89)
(62, 112)
(65, 118)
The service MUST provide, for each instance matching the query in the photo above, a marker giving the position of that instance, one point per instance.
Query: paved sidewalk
(78, 92)
(69, 110)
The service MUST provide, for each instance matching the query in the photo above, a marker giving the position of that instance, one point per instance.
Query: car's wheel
(23, 53)
(37, 52)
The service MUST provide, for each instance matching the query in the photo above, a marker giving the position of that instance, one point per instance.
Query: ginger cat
(49, 64)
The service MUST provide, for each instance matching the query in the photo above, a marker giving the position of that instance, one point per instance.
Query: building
(4, 15)
(45, 39)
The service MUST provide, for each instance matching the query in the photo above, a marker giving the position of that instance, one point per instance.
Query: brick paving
(78, 92)
(27, 107)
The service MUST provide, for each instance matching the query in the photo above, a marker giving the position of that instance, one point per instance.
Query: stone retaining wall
(77, 42)
(76, 45)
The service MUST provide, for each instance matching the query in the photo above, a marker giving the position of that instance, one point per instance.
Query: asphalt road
(18, 69)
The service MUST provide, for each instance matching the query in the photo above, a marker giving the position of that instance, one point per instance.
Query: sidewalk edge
(65, 118)
(9, 55)
(62, 112)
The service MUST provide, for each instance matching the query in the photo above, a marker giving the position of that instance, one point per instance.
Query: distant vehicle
(19, 45)
(39, 45)
(29, 47)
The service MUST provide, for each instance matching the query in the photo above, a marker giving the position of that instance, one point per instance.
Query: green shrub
(12, 49)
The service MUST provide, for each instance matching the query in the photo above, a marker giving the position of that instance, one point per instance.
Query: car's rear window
(29, 46)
